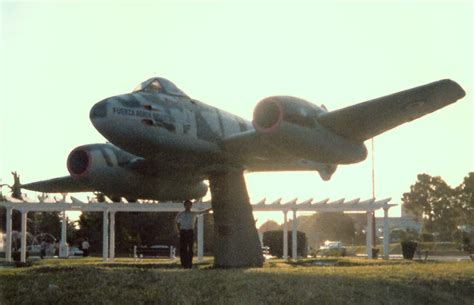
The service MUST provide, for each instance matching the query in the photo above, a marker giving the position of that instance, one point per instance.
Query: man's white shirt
(186, 220)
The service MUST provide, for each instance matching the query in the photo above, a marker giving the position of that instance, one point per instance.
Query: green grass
(341, 281)
(433, 248)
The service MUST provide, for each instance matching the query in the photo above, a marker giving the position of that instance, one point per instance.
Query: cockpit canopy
(159, 85)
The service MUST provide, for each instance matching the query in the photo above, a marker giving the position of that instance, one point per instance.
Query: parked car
(332, 248)
(75, 251)
(33, 250)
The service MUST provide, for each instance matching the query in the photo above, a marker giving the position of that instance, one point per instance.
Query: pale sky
(59, 58)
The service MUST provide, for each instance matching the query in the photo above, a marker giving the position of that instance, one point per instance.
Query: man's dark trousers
(186, 240)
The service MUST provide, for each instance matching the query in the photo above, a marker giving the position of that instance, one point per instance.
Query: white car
(75, 251)
(332, 248)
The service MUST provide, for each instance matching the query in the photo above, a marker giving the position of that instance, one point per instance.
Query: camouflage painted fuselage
(161, 128)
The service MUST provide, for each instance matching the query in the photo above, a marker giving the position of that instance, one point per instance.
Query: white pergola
(108, 228)
(109, 210)
(368, 206)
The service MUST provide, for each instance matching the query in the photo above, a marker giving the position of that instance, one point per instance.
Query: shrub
(274, 240)
(409, 248)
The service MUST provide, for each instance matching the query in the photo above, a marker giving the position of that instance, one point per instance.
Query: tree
(45, 222)
(306, 224)
(269, 225)
(90, 226)
(327, 226)
(335, 226)
(465, 196)
(433, 201)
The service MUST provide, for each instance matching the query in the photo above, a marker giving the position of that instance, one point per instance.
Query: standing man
(85, 247)
(185, 222)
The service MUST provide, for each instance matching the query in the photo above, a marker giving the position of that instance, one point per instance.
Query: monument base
(236, 238)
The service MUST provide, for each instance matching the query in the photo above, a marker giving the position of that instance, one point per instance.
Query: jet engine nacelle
(291, 125)
(110, 170)
(97, 160)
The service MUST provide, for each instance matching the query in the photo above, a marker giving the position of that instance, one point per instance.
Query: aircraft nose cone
(99, 110)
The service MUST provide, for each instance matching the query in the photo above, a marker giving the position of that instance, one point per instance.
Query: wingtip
(455, 90)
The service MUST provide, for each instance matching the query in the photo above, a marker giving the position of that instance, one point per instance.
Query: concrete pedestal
(236, 238)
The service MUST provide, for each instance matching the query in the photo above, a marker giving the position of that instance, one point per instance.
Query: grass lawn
(433, 248)
(311, 281)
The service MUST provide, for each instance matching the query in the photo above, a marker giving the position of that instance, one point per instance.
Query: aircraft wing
(247, 143)
(65, 184)
(368, 119)
(259, 155)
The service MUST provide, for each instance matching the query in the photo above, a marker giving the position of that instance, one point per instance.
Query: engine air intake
(78, 162)
(267, 114)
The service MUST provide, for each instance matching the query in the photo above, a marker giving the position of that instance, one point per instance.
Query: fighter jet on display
(164, 144)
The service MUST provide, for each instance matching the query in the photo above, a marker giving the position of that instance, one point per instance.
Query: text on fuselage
(131, 112)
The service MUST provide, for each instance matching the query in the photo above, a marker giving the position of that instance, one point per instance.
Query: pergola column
(24, 215)
(8, 245)
(386, 234)
(112, 236)
(369, 233)
(105, 235)
(63, 248)
(294, 237)
(285, 234)
(200, 237)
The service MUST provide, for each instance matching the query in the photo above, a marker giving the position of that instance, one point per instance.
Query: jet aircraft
(163, 144)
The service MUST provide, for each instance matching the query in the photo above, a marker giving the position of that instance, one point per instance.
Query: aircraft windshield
(160, 85)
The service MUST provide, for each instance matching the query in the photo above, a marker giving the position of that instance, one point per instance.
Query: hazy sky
(59, 58)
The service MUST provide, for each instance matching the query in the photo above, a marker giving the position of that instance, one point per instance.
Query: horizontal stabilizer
(65, 184)
(368, 119)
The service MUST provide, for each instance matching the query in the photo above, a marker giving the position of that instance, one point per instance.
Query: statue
(15, 188)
